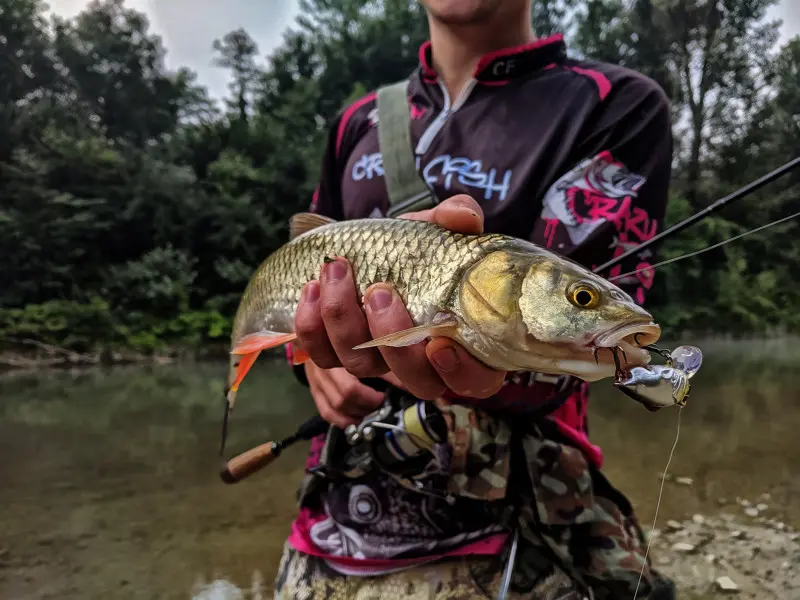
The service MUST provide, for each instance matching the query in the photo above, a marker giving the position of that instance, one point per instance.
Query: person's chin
(460, 12)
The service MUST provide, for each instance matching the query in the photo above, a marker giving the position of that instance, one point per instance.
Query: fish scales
(421, 260)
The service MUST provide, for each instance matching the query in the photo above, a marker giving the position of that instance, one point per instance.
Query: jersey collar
(501, 66)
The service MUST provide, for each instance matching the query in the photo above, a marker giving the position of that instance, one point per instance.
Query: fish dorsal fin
(303, 222)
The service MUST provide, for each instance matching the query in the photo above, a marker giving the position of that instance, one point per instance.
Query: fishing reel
(400, 440)
(405, 438)
(660, 386)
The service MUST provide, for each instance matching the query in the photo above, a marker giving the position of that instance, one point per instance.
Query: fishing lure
(660, 386)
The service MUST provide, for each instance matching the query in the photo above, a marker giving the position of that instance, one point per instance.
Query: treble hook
(665, 354)
(619, 374)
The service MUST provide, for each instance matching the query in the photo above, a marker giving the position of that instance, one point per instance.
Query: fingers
(386, 314)
(329, 327)
(345, 322)
(461, 372)
(393, 380)
(459, 213)
(325, 405)
(310, 328)
(340, 397)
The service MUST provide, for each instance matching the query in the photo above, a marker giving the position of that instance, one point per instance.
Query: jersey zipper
(434, 128)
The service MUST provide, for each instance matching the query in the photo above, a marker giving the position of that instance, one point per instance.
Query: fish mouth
(632, 339)
(623, 347)
(639, 334)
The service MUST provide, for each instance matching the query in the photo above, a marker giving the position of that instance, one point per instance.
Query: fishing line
(658, 503)
(696, 252)
(699, 216)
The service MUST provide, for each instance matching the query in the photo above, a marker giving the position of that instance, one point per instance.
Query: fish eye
(583, 295)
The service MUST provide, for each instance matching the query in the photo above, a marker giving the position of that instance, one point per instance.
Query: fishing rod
(712, 208)
(257, 458)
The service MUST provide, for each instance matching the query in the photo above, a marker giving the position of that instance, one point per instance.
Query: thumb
(460, 213)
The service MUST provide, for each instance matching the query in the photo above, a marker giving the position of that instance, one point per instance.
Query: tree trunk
(693, 173)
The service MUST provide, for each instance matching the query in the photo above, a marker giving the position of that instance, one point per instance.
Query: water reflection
(110, 485)
(738, 434)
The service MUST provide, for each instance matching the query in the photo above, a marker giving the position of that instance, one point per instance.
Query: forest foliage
(134, 207)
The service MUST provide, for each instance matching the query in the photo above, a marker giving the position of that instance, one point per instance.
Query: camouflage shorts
(304, 577)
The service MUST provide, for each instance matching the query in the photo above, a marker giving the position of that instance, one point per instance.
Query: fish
(513, 305)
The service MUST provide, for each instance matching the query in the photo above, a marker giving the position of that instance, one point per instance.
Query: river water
(109, 484)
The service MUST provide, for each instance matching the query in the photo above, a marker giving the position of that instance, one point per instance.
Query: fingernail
(311, 292)
(446, 359)
(335, 270)
(380, 299)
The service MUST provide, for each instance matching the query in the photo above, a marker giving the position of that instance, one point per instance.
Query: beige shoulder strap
(406, 188)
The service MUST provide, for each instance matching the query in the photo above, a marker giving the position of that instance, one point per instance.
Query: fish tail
(242, 368)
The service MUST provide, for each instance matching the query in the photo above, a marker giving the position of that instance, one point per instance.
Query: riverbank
(33, 354)
(743, 554)
(30, 354)
(741, 550)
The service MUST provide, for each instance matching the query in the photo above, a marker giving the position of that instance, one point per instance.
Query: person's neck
(456, 50)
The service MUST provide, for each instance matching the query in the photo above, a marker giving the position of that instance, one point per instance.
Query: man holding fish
(572, 155)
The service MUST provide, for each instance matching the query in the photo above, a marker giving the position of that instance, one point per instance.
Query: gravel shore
(741, 552)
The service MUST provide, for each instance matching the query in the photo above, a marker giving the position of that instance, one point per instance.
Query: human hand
(330, 322)
(340, 397)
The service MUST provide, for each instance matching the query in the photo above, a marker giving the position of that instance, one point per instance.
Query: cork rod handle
(247, 463)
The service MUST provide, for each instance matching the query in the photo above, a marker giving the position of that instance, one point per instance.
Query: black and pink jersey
(575, 156)
(571, 155)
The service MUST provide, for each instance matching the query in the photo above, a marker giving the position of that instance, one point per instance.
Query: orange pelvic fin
(262, 340)
(299, 356)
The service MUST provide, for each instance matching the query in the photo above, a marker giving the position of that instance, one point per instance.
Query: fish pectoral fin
(412, 336)
(303, 222)
(262, 340)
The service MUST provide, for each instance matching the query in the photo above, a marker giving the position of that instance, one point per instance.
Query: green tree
(707, 54)
(115, 69)
(628, 34)
(237, 52)
(27, 73)
(135, 210)
(552, 16)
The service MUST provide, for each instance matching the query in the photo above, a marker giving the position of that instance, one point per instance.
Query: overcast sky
(188, 27)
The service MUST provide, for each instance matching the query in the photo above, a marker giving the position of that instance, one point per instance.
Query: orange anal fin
(299, 356)
(256, 342)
